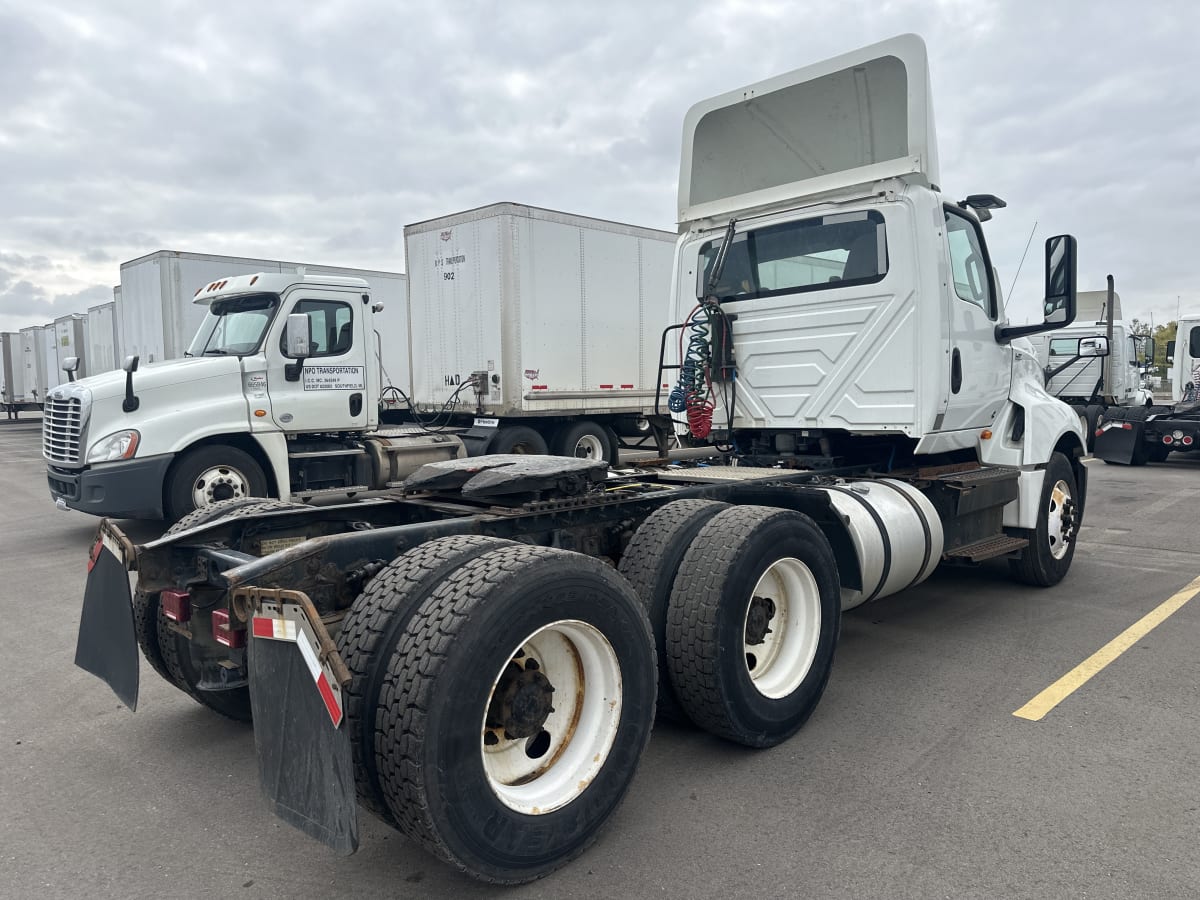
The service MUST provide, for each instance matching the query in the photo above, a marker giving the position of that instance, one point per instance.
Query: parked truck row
(477, 657)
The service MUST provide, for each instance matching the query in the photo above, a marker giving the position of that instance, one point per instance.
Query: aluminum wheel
(589, 446)
(1060, 519)
(219, 483)
(782, 628)
(552, 717)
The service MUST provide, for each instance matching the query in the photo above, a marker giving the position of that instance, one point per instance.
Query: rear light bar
(226, 631)
(176, 605)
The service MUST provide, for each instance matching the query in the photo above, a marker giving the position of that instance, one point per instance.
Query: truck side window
(807, 255)
(969, 263)
(332, 326)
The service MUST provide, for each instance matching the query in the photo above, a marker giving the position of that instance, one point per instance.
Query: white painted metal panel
(70, 341)
(30, 355)
(102, 339)
(551, 310)
(50, 375)
(854, 119)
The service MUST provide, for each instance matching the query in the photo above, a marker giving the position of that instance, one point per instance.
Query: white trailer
(541, 326)
(157, 318)
(102, 351)
(1183, 362)
(49, 375)
(15, 395)
(71, 342)
(30, 354)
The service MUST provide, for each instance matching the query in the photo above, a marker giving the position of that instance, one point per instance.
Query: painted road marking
(1037, 708)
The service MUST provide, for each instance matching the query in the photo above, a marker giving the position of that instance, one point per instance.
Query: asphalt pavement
(914, 778)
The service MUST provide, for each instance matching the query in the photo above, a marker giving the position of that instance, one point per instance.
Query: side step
(989, 548)
(331, 492)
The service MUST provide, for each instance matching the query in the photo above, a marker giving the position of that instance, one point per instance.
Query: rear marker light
(224, 632)
(176, 605)
(95, 554)
(1167, 439)
(1187, 440)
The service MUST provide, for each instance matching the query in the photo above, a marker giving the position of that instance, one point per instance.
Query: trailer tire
(371, 630)
(1093, 419)
(585, 439)
(518, 439)
(167, 651)
(1047, 559)
(651, 563)
(715, 617)
(455, 779)
(216, 471)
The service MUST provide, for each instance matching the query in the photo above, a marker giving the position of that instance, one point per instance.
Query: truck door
(330, 392)
(979, 367)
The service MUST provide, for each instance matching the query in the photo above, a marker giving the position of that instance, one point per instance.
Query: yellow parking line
(1036, 709)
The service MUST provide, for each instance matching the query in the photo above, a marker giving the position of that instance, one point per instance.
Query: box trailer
(102, 350)
(157, 318)
(15, 393)
(71, 341)
(49, 375)
(554, 318)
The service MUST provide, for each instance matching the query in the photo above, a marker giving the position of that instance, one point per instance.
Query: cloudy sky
(316, 132)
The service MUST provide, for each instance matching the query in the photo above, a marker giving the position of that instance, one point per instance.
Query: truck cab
(242, 415)
(854, 314)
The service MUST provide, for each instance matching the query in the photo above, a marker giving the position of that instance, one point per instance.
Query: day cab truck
(1094, 384)
(1134, 437)
(517, 330)
(478, 657)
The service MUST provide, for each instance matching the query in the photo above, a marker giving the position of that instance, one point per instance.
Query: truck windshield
(234, 327)
(807, 255)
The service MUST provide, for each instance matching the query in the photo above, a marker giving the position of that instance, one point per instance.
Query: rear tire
(518, 439)
(753, 623)
(1047, 559)
(370, 632)
(1093, 418)
(508, 806)
(170, 653)
(651, 563)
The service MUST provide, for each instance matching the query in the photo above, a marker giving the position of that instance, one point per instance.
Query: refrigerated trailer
(477, 656)
(553, 318)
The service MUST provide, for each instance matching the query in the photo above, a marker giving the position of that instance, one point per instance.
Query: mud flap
(1118, 441)
(304, 760)
(107, 646)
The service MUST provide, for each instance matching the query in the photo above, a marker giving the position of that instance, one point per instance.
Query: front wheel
(212, 474)
(1047, 559)
(515, 711)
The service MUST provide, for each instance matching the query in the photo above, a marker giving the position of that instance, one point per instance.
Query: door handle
(955, 372)
(356, 404)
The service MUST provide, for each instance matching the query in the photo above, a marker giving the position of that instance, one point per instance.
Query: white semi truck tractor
(478, 657)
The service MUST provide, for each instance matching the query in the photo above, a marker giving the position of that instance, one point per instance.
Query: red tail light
(224, 630)
(95, 554)
(176, 605)
(1187, 440)
(1167, 439)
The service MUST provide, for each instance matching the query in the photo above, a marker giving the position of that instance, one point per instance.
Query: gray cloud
(255, 132)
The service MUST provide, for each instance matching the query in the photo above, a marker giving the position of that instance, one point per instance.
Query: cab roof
(272, 283)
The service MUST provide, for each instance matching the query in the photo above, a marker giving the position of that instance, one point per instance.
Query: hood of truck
(191, 370)
(852, 120)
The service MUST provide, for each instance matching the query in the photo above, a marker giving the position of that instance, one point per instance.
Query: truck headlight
(119, 445)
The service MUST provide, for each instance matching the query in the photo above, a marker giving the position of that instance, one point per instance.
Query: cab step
(989, 548)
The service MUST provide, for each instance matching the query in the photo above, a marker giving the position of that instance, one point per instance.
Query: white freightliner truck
(462, 659)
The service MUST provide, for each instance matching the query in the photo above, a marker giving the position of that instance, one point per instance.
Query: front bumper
(129, 489)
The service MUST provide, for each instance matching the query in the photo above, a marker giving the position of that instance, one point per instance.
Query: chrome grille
(62, 427)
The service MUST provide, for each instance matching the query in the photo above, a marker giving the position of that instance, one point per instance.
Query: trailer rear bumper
(129, 490)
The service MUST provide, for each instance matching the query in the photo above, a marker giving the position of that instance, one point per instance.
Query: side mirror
(1170, 352)
(1061, 255)
(298, 340)
(1093, 346)
(297, 344)
(1058, 309)
(1194, 342)
(71, 366)
(131, 363)
(131, 401)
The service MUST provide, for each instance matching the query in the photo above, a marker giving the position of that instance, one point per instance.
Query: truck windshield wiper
(215, 352)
